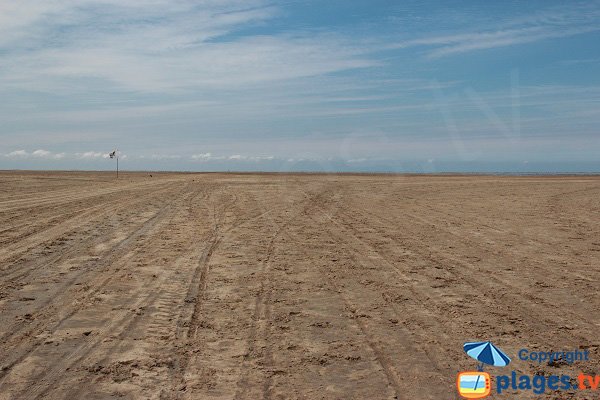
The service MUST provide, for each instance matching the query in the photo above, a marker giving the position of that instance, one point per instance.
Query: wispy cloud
(234, 157)
(17, 153)
(239, 157)
(456, 44)
(90, 155)
(40, 153)
(49, 155)
(206, 157)
(585, 61)
(165, 157)
(186, 45)
(552, 23)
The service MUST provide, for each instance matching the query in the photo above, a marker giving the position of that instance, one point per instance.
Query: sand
(264, 286)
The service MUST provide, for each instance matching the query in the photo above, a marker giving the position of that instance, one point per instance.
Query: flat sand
(265, 286)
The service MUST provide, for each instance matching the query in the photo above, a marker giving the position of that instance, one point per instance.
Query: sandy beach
(299, 286)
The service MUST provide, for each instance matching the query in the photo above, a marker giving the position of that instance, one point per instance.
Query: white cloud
(356, 160)
(163, 157)
(551, 23)
(457, 44)
(239, 157)
(90, 155)
(114, 42)
(233, 157)
(207, 157)
(202, 157)
(41, 153)
(17, 154)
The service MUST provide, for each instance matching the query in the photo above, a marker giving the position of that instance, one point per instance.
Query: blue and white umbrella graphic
(486, 353)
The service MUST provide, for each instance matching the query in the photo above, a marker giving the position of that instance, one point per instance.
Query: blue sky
(301, 85)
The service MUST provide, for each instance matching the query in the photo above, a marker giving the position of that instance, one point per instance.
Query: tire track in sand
(65, 303)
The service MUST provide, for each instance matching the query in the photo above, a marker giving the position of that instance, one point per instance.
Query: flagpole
(112, 155)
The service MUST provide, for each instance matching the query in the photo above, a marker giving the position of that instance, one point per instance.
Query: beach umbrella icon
(486, 353)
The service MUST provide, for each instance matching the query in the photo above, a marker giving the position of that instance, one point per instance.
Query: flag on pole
(115, 155)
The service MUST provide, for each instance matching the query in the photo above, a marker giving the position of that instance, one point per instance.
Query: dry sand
(224, 286)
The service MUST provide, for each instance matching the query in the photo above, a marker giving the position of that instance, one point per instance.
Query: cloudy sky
(300, 85)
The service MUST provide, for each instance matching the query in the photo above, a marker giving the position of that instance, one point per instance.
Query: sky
(301, 85)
